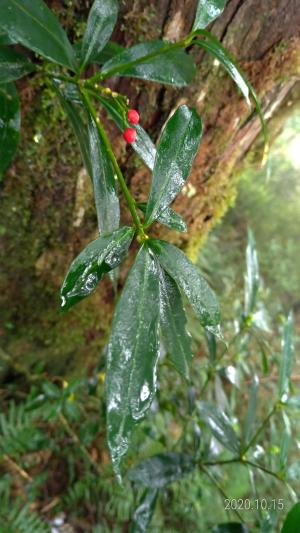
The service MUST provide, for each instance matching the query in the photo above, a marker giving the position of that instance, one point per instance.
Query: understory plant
(149, 314)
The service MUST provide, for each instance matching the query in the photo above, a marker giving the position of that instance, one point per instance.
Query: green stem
(242, 462)
(261, 428)
(125, 66)
(127, 194)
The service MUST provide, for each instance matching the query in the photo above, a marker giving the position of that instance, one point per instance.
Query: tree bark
(47, 209)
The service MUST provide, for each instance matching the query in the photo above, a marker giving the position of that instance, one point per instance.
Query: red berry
(129, 135)
(133, 116)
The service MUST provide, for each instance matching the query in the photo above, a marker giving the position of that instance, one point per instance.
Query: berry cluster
(130, 133)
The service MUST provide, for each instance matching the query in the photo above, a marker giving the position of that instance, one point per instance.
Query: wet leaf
(13, 65)
(162, 469)
(110, 50)
(252, 279)
(220, 426)
(292, 521)
(207, 11)
(177, 148)
(214, 47)
(168, 217)
(152, 61)
(287, 357)
(101, 21)
(34, 25)
(100, 256)
(251, 411)
(143, 514)
(173, 321)
(132, 355)
(186, 275)
(104, 182)
(10, 121)
(231, 527)
(143, 145)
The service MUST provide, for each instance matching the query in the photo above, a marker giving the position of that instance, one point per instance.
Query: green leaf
(110, 50)
(168, 217)
(100, 256)
(293, 472)
(132, 355)
(220, 426)
(173, 321)
(252, 279)
(186, 275)
(13, 65)
(251, 411)
(230, 527)
(5, 39)
(10, 121)
(153, 61)
(103, 176)
(287, 357)
(294, 402)
(162, 469)
(101, 21)
(143, 145)
(213, 46)
(34, 25)
(212, 347)
(143, 514)
(292, 521)
(176, 151)
(207, 11)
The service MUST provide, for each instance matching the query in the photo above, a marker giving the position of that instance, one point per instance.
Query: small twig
(22, 473)
(261, 428)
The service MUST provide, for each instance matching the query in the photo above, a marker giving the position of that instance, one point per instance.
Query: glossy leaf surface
(10, 120)
(152, 61)
(100, 256)
(110, 50)
(186, 275)
(143, 514)
(287, 356)
(143, 145)
(34, 25)
(169, 218)
(162, 469)
(173, 321)
(13, 65)
(220, 426)
(132, 355)
(101, 21)
(207, 11)
(292, 521)
(214, 47)
(176, 151)
(104, 182)
(252, 280)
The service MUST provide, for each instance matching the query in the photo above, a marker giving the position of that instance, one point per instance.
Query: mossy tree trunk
(46, 199)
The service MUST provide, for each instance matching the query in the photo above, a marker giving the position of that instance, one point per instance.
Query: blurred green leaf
(285, 442)
(177, 148)
(292, 521)
(143, 514)
(161, 469)
(153, 61)
(101, 21)
(230, 527)
(168, 217)
(132, 356)
(110, 50)
(5, 39)
(207, 11)
(13, 65)
(176, 339)
(10, 121)
(34, 25)
(252, 279)
(143, 145)
(294, 402)
(220, 426)
(99, 257)
(293, 471)
(212, 347)
(186, 275)
(251, 411)
(287, 357)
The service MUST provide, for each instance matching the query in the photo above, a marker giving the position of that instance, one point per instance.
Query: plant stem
(261, 428)
(127, 194)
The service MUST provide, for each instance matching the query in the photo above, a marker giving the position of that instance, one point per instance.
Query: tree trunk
(47, 208)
